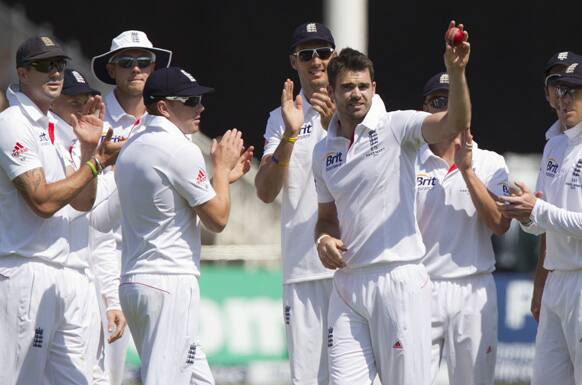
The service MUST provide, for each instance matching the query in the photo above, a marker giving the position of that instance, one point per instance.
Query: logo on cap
(47, 41)
(135, 37)
(562, 55)
(444, 79)
(188, 76)
(311, 27)
(571, 68)
(78, 77)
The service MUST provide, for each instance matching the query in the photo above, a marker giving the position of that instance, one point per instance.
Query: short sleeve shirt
(371, 179)
(160, 177)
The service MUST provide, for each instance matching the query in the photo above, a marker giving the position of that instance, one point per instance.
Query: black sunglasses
(323, 53)
(439, 102)
(49, 65)
(132, 61)
(190, 101)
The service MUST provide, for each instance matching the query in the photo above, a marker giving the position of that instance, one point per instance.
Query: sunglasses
(323, 53)
(48, 66)
(566, 92)
(132, 61)
(189, 101)
(439, 102)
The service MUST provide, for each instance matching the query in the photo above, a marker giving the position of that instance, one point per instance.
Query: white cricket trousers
(162, 312)
(558, 354)
(464, 325)
(44, 324)
(379, 323)
(305, 308)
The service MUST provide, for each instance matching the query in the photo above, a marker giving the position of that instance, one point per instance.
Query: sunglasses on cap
(189, 101)
(132, 61)
(48, 65)
(439, 102)
(323, 53)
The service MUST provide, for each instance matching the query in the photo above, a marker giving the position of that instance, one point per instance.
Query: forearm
(556, 219)
(327, 226)
(271, 176)
(458, 117)
(106, 266)
(484, 203)
(214, 213)
(86, 198)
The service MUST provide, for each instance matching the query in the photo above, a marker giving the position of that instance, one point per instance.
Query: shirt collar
(163, 123)
(17, 98)
(554, 130)
(65, 133)
(425, 153)
(114, 108)
(377, 110)
(574, 132)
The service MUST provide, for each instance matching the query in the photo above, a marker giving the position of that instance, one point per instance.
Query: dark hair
(351, 60)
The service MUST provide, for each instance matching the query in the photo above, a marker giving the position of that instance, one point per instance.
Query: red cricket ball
(454, 36)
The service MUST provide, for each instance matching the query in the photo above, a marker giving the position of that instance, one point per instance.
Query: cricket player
(44, 290)
(555, 65)
(457, 184)
(286, 166)
(130, 60)
(555, 210)
(165, 191)
(379, 311)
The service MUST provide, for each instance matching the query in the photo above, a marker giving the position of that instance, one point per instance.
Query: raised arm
(444, 125)
(273, 168)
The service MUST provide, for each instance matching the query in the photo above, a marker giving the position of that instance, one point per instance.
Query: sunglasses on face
(189, 101)
(323, 53)
(48, 66)
(132, 61)
(566, 92)
(439, 102)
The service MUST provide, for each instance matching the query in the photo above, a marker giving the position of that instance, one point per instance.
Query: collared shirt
(559, 211)
(161, 232)
(554, 130)
(299, 199)
(371, 179)
(458, 242)
(26, 143)
(124, 125)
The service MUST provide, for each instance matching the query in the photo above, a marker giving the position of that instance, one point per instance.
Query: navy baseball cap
(572, 76)
(171, 81)
(564, 58)
(439, 82)
(76, 84)
(38, 48)
(311, 32)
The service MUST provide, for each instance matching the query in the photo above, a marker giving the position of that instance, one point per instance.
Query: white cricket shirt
(457, 241)
(160, 176)
(372, 181)
(123, 124)
(559, 211)
(299, 199)
(26, 143)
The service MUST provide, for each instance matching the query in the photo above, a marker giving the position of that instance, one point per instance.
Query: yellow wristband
(92, 167)
(290, 139)
(279, 163)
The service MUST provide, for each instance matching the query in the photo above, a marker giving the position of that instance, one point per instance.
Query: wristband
(320, 238)
(279, 163)
(290, 139)
(92, 167)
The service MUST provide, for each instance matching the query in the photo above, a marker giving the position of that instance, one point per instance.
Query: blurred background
(241, 49)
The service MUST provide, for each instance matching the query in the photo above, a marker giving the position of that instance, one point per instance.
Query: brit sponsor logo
(552, 167)
(18, 151)
(305, 130)
(425, 182)
(333, 160)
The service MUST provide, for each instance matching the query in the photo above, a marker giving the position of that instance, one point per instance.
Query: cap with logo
(127, 40)
(172, 81)
(38, 48)
(564, 58)
(76, 84)
(438, 82)
(311, 32)
(572, 75)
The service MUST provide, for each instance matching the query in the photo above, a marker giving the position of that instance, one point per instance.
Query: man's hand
(107, 151)
(330, 251)
(464, 152)
(226, 152)
(88, 125)
(115, 324)
(457, 57)
(292, 111)
(323, 104)
(243, 165)
(518, 206)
